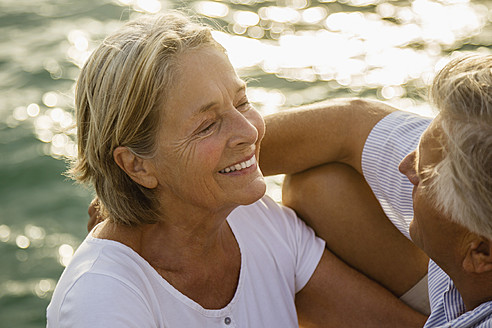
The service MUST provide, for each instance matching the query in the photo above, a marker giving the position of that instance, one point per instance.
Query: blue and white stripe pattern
(389, 142)
(393, 138)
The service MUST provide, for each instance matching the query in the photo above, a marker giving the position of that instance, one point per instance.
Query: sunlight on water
(4, 233)
(34, 233)
(392, 50)
(22, 241)
(44, 287)
(314, 15)
(211, 9)
(147, 6)
(291, 52)
(50, 99)
(41, 288)
(78, 51)
(65, 253)
(33, 242)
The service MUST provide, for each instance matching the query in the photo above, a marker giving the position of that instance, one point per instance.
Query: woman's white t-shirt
(107, 284)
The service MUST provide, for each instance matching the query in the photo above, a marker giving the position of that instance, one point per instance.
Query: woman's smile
(241, 166)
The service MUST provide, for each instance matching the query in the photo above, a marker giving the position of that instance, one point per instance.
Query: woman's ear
(478, 258)
(138, 169)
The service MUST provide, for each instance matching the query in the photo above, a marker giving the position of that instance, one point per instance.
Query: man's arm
(334, 199)
(331, 131)
(339, 296)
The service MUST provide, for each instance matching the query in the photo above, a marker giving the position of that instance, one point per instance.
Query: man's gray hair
(462, 181)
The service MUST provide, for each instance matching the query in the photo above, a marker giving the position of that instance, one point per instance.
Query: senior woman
(170, 143)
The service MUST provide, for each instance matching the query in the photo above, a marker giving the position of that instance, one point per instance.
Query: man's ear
(138, 169)
(478, 258)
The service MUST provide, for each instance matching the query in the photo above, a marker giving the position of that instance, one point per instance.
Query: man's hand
(94, 215)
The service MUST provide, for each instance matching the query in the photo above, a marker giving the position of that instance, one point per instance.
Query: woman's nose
(243, 130)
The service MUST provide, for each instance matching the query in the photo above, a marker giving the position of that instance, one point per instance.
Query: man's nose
(407, 167)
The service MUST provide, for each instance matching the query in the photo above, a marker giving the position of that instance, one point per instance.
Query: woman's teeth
(239, 166)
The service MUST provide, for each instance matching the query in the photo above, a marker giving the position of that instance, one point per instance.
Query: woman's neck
(183, 238)
(200, 258)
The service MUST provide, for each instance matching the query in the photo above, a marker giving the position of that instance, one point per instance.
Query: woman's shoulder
(95, 255)
(108, 258)
(97, 258)
(96, 300)
(101, 274)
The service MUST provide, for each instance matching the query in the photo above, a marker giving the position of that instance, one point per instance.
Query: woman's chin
(256, 192)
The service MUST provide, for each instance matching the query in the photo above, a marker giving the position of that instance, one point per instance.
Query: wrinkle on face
(208, 92)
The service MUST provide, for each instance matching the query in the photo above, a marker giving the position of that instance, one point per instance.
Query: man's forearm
(331, 131)
(340, 296)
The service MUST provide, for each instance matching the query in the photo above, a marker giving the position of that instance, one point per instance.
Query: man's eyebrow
(207, 107)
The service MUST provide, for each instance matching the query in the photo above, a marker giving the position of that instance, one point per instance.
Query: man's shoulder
(480, 317)
(446, 303)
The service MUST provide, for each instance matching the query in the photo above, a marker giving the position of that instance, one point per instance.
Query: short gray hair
(462, 183)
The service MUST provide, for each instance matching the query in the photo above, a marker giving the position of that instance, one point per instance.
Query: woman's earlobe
(137, 168)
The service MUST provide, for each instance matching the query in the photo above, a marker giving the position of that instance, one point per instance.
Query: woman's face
(209, 138)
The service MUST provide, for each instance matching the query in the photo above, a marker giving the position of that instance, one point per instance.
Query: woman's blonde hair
(462, 181)
(120, 94)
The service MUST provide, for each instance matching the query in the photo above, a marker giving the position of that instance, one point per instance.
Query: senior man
(447, 173)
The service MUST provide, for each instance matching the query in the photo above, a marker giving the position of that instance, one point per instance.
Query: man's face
(430, 228)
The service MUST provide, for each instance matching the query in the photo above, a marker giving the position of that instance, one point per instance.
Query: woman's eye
(244, 106)
(206, 129)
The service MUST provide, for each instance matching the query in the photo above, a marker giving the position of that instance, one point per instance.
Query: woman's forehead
(203, 79)
(203, 57)
(202, 68)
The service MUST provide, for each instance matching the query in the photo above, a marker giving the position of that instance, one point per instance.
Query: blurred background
(292, 52)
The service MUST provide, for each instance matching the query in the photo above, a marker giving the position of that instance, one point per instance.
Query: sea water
(292, 52)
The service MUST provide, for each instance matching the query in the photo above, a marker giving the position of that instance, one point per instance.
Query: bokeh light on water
(388, 50)
(291, 52)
